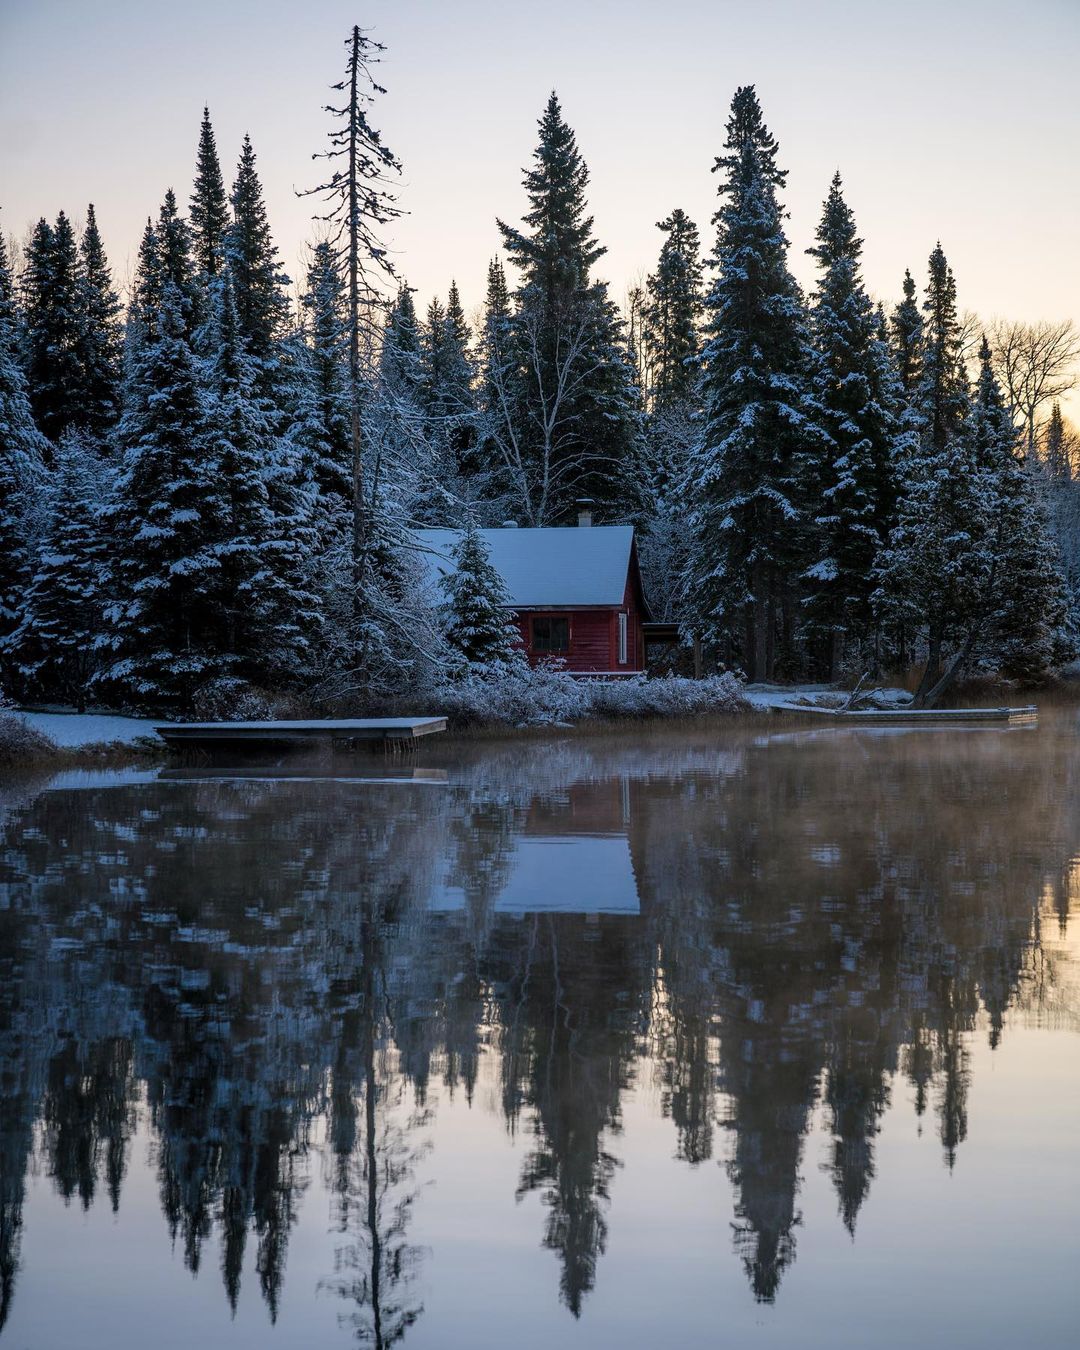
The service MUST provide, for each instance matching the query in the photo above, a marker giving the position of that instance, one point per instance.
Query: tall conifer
(577, 429)
(854, 386)
(673, 313)
(258, 281)
(748, 476)
(52, 306)
(209, 206)
(100, 347)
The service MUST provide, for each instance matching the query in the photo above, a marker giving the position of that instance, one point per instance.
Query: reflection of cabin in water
(571, 857)
(575, 592)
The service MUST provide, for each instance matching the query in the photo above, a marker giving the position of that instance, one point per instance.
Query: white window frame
(624, 627)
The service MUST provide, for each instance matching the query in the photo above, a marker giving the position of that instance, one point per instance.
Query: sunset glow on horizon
(920, 108)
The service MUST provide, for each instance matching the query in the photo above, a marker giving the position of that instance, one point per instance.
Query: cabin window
(551, 635)
(622, 639)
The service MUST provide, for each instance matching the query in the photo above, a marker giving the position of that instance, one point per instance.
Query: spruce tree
(164, 627)
(23, 454)
(400, 363)
(1055, 447)
(52, 307)
(673, 313)
(209, 206)
(942, 395)
(576, 428)
(321, 425)
(263, 612)
(259, 284)
(854, 387)
(61, 615)
(906, 332)
(457, 402)
(933, 575)
(99, 347)
(172, 241)
(479, 622)
(747, 478)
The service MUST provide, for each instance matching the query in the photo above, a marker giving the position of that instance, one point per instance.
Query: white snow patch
(73, 730)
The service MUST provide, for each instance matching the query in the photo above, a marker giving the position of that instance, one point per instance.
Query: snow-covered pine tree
(479, 622)
(264, 612)
(259, 283)
(932, 578)
(100, 337)
(854, 387)
(208, 209)
(748, 475)
(54, 646)
(163, 625)
(906, 339)
(943, 395)
(401, 366)
(172, 244)
(321, 424)
(53, 322)
(499, 395)
(577, 424)
(23, 454)
(457, 398)
(447, 400)
(1025, 606)
(673, 313)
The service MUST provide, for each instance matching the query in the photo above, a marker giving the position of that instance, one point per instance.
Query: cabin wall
(594, 637)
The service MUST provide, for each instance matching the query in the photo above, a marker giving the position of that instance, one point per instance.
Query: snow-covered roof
(556, 566)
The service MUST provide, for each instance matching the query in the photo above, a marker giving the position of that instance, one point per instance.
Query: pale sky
(950, 119)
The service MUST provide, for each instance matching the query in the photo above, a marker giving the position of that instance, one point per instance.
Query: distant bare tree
(1036, 364)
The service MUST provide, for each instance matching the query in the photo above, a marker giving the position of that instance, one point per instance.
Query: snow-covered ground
(826, 695)
(74, 730)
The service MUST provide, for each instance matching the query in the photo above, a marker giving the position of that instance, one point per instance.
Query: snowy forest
(209, 487)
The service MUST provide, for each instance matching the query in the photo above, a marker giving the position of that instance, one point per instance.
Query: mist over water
(713, 1037)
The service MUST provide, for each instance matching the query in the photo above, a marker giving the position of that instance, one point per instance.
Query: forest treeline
(211, 490)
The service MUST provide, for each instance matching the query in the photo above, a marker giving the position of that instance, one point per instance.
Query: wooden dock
(917, 716)
(392, 732)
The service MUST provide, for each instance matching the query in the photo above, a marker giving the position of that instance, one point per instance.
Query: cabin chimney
(584, 512)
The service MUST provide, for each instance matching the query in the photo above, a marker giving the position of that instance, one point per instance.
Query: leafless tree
(1036, 363)
(541, 453)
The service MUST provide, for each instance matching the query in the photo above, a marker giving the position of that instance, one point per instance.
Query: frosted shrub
(672, 696)
(515, 695)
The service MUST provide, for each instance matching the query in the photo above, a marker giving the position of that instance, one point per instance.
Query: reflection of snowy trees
(256, 967)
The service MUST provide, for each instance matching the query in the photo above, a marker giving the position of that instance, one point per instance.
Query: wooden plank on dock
(918, 716)
(393, 730)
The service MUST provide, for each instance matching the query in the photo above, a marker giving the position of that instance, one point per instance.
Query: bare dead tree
(541, 452)
(1036, 363)
(361, 203)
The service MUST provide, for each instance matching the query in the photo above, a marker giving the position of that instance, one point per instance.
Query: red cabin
(576, 591)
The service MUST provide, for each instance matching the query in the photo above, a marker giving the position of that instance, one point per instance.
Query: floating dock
(392, 732)
(916, 716)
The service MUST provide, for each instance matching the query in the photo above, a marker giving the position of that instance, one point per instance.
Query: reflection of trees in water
(566, 1025)
(822, 924)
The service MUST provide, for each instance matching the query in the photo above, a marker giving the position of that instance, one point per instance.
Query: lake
(750, 1036)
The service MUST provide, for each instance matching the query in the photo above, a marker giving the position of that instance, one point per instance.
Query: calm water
(728, 1039)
